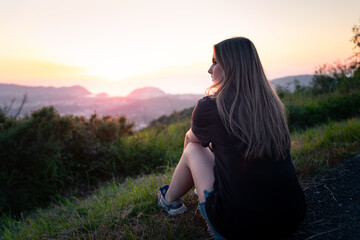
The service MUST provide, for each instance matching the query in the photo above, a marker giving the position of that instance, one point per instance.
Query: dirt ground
(333, 204)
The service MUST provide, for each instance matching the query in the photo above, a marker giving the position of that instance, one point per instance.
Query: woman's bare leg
(195, 167)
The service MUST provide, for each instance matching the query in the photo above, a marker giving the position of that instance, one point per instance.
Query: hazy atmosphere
(117, 46)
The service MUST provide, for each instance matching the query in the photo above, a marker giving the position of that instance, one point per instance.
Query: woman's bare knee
(192, 145)
(197, 150)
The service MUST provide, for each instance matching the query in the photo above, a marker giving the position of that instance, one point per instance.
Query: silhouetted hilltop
(288, 82)
(146, 92)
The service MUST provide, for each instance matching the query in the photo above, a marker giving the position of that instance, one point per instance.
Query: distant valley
(141, 106)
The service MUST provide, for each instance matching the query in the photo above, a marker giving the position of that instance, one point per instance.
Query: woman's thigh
(201, 162)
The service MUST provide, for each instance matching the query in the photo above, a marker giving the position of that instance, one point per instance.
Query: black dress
(251, 199)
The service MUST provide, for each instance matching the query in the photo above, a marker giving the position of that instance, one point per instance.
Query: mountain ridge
(142, 105)
(139, 93)
(15, 89)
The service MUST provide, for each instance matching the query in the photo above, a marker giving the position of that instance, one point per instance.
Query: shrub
(29, 156)
(45, 155)
(330, 108)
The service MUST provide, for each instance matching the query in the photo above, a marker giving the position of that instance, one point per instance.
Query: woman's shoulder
(205, 106)
(207, 101)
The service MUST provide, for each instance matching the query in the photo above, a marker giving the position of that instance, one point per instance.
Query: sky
(116, 46)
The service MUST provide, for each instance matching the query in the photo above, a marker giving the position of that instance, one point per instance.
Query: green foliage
(29, 157)
(125, 210)
(163, 121)
(328, 108)
(45, 154)
(339, 77)
(168, 137)
(128, 210)
(316, 150)
(323, 83)
(2, 117)
(334, 94)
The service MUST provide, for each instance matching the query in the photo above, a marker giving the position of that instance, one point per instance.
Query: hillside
(127, 209)
(89, 151)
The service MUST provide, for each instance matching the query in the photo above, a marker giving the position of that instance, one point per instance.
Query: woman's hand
(190, 137)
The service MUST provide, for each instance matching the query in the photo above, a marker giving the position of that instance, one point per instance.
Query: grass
(128, 210)
(299, 98)
(316, 150)
(124, 210)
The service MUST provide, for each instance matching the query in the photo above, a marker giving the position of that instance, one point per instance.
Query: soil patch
(333, 204)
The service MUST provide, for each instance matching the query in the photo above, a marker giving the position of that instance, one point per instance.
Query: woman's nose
(210, 69)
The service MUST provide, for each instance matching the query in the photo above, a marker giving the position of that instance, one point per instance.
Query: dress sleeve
(201, 120)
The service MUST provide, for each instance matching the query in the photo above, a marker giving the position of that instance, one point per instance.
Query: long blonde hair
(248, 106)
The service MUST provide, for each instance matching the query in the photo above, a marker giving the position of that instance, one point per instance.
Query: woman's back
(259, 194)
(247, 186)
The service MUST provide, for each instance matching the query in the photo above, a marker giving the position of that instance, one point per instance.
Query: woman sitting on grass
(237, 153)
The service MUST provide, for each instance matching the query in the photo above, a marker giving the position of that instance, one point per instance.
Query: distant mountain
(288, 81)
(102, 95)
(141, 106)
(146, 92)
(18, 90)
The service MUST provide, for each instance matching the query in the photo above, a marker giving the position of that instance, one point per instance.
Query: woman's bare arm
(190, 137)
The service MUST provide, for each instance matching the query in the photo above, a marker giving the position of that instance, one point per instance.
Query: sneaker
(172, 208)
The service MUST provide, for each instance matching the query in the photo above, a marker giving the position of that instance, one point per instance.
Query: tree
(6, 109)
(341, 76)
(356, 66)
(356, 38)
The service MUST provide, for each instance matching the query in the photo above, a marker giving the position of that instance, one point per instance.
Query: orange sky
(115, 46)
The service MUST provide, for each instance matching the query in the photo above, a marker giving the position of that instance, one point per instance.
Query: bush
(330, 108)
(45, 155)
(164, 121)
(29, 154)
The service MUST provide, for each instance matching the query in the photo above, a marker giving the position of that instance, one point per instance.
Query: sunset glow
(116, 46)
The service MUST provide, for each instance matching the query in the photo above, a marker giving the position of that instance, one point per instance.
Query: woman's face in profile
(216, 70)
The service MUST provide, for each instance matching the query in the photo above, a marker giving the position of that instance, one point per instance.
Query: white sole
(171, 212)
